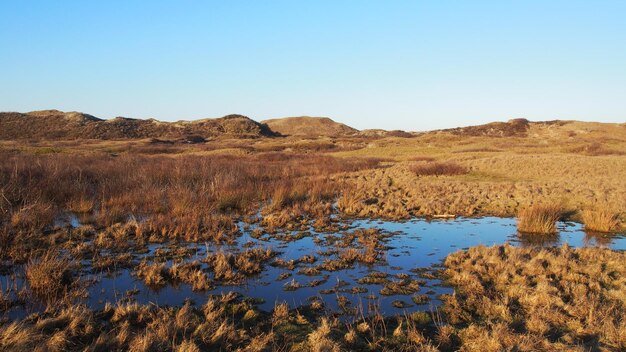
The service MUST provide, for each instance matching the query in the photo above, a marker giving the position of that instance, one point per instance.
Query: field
(213, 216)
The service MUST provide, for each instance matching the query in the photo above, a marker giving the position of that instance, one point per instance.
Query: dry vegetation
(437, 169)
(129, 194)
(506, 298)
(538, 299)
(539, 219)
(188, 198)
(600, 220)
(49, 276)
(493, 175)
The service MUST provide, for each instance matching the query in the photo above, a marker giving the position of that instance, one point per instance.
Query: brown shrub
(421, 158)
(437, 169)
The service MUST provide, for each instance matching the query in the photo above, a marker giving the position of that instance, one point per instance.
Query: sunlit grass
(539, 219)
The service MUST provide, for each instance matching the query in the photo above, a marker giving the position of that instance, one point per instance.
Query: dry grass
(549, 299)
(227, 268)
(526, 170)
(437, 169)
(498, 185)
(539, 219)
(595, 149)
(318, 340)
(600, 219)
(131, 194)
(49, 276)
(194, 199)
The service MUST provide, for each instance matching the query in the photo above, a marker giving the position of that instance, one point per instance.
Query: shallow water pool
(416, 244)
(414, 250)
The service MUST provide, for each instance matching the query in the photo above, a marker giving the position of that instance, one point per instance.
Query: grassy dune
(566, 165)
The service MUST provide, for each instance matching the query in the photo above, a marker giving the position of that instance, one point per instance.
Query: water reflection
(598, 239)
(415, 247)
(415, 250)
(534, 240)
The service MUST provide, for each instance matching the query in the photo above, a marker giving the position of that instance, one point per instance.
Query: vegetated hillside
(309, 126)
(561, 131)
(511, 128)
(54, 124)
(380, 133)
(519, 128)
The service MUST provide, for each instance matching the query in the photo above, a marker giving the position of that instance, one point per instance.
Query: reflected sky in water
(415, 244)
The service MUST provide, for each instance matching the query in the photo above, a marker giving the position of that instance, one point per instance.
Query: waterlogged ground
(413, 252)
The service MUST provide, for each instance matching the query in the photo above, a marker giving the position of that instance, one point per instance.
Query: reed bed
(194, 198)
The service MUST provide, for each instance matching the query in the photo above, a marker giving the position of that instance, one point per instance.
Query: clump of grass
(280, 313)
(5, 300)
(319, 340)
(404, 286)
(33, 217)
(437, 169)
(49, 276)
(292, 285)
(192, 274)
(112, 262)
(539, 219)
(155, 275)
(600, 219)
(81, 205)
(374, 278)
(420, 299)
(400, 304)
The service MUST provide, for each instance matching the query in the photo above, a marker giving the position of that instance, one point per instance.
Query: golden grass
(524, 170)
(601, 219)
(318, 340)
(539, 219)
(133, 193)
(595, 149)
(49, 276)
(497, 185)
(549, 299)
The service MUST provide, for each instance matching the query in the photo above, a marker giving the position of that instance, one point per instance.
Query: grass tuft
(49, 276)
(600, 219)
(539, 219)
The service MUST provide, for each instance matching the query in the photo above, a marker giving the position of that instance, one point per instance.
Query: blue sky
(413, 65)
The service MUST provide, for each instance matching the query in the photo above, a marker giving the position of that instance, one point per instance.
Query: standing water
(414, 251)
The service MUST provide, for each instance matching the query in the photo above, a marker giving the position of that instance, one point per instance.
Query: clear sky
(413, 65)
